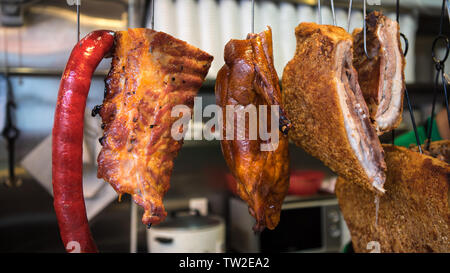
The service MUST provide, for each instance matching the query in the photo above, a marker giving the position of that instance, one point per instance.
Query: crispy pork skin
(249, 78)
(413, 214)
(151, 72)
(381, 76)
(438, 149)
(322, 98)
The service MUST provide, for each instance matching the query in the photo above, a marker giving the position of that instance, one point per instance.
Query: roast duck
(151, 72)
(248, 78)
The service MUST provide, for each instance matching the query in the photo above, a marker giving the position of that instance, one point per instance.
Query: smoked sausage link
(67, 139)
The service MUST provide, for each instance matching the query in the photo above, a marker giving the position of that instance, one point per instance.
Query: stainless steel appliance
(307, 224)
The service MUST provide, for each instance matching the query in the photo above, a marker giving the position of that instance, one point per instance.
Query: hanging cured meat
(413, 214)
(151, 72)
(322, 98)
(381, 73)
(249, 78)
(438, 149)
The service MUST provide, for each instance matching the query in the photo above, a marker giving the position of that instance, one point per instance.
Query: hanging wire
(401, 34)
(349, 14)
(253, 16)
(440, 68)
(365, 30)
(444, 85)
(413, 120)
(397, 12)
(78, 3)
(332, 12)
(430, 125)
(5, 52)
(10, 132)
(19, 54)
(152, 14)
(393, 136)
(408, 101)
(319, 12)
(442, 17)
(448, 10)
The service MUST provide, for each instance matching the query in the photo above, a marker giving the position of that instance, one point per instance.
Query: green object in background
(409, 138)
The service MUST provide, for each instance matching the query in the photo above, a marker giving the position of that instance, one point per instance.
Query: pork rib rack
(151, 72)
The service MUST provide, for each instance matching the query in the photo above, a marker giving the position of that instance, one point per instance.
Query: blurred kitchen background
(36, 38)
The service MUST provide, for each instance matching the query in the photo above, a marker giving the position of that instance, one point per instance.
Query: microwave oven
(307, 224)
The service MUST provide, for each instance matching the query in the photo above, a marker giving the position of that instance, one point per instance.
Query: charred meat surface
(413, 214)
(438, 149)
(151, 72)
(249, 78)
(322, 98)
(381, 76)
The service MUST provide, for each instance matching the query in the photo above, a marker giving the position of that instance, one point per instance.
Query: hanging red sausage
(67, 166)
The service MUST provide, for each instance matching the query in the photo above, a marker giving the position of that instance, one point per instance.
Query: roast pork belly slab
(413, 214)
(381, 75)
(323, 100)
(151, 72)
(438, 149)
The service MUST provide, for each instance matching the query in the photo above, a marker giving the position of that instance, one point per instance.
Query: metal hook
(253, 16)
(439, 65)
(332, 12)
(10, 133)
(319, 12)
(78, 3)
(397, 12)
(349, 14)
(365, 30)
(152, 20)
(406, 44)
(436, 60)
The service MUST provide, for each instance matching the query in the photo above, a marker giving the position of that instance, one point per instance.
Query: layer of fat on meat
(386, 119)
(364, 154)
